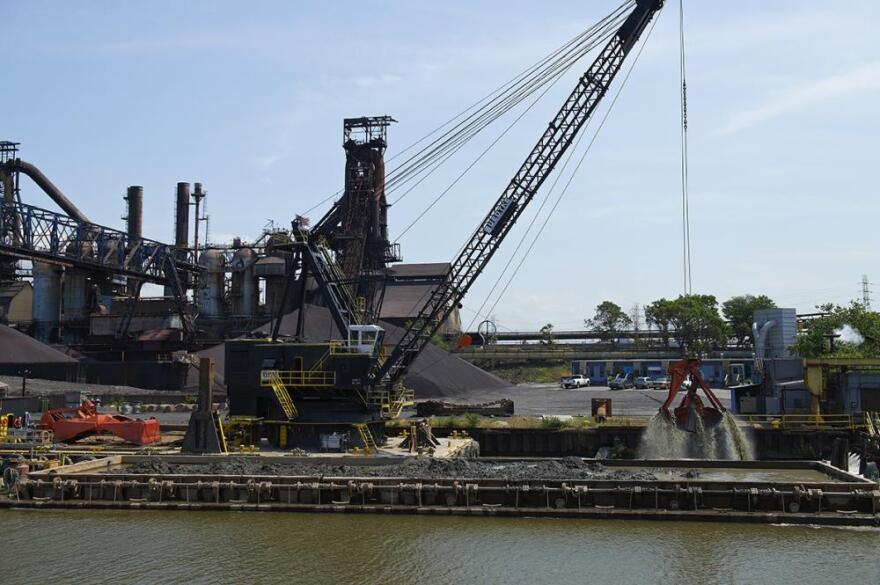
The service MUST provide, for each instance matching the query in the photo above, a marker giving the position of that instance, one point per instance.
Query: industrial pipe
(760, 337)
(43, 182)
(135, 216)
(181, 220)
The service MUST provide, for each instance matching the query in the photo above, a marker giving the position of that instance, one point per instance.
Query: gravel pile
(416, 468)
(18, 348)
(40, 387)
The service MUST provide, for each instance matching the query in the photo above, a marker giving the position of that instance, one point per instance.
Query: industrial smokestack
(181, 221)
(135, 217)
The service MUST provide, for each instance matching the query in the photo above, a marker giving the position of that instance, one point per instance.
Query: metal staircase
(283, 396)
(331, 281)
(367, 437)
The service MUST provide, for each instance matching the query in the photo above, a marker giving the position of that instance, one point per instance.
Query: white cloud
(857, 80)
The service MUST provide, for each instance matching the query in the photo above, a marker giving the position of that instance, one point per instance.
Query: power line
(574, 172)
(460, 129)
(685, 203)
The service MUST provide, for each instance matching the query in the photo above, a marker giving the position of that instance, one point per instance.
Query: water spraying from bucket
(662, 439)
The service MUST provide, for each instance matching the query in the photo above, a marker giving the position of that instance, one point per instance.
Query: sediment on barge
(670, 490)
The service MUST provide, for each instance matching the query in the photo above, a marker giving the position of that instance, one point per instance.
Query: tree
(858, 328)
(698, 327)
(659, 314)
(739, 310)
(547, 334)
(609, 321)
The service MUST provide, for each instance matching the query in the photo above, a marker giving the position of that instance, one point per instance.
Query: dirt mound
(18, 348)
(435, 373)
(412, 468)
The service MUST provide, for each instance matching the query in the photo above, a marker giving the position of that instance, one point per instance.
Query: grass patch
(545, 374)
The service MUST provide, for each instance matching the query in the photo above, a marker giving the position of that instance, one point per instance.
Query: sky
(782, 112)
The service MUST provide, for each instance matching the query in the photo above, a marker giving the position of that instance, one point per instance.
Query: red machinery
(70, 424)
(689, 370)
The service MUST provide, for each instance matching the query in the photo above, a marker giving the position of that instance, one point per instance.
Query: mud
(415, 468)
(661, 439)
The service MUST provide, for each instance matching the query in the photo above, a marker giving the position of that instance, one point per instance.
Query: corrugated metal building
(717, 372)
(16, 303)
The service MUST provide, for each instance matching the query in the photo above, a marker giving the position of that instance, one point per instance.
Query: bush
(552, 422)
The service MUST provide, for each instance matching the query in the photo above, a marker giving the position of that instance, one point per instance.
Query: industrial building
(66, 281)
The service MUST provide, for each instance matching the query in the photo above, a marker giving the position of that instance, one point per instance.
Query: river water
(59, 547)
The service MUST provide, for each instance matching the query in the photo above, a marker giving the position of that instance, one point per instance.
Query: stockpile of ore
(435, 373)
(416, 467)
(18, 348)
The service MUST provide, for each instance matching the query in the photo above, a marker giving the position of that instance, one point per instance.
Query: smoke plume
(849, 335)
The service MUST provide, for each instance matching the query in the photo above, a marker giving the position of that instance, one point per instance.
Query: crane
(538, 165)
(302, 393)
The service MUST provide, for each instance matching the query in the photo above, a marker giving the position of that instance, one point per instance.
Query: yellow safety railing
(282, 395)
(367, 437)
(335, 348)
(299, 378)
(390, 403)
(802, 421)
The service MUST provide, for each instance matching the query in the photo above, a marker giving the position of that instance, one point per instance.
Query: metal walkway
(34, 233)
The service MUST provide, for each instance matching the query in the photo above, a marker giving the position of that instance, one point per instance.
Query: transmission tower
(866, 292)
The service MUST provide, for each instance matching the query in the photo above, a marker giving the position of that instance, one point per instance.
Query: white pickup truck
(575, 381)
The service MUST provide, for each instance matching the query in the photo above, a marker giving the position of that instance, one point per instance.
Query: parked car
(660, 383)
(643, 383)
(621, 383)
(575, 381)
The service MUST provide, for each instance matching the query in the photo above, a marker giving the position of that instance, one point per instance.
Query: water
(661, 439)
(119, 547)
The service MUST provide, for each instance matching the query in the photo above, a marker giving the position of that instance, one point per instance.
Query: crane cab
(365, 339)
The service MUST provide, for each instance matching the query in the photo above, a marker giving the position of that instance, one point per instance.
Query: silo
(74, 304)
(47, 300)
(245, 289)
(211, 287)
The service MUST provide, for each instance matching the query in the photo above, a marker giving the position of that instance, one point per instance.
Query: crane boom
(484, 242)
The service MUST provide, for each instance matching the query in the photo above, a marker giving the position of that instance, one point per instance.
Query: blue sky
(782, 108)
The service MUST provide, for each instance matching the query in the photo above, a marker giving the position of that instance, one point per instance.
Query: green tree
(698, 328)
(609, 321)
(659, 314)
(547, 334)
(739, 310)
(858, 328)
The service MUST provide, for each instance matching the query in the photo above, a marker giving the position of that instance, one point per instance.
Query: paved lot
(550, 399)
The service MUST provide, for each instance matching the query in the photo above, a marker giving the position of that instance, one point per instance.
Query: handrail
(802, 421)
